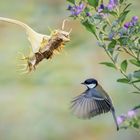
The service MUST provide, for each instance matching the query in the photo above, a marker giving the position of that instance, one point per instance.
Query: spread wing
(89, 104)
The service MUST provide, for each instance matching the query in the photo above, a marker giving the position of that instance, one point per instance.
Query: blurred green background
(36, 106)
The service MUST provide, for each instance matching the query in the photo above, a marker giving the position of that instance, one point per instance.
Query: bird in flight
(92, 102)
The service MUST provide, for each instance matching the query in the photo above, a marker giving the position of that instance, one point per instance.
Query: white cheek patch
(91, 85)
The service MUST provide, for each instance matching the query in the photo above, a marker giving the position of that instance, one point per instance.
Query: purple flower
(122, 32)
(134, 20)
(69, 7)
(100, 11)
(132, 23)
(88, 14)
(131, 113)
(101, 8)
(103, 16)
(121, 119)
(110, 7)
(112, 4)
(128, 24)
(111, 35)
(77, 9)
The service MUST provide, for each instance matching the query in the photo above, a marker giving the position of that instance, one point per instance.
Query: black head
(90, 83)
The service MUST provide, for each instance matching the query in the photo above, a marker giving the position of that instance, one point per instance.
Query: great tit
(92, 102)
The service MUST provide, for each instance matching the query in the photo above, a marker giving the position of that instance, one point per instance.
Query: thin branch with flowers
(108, 23)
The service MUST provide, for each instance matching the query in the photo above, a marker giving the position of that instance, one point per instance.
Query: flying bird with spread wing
(92, 102)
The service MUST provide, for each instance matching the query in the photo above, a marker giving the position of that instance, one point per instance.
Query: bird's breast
(93, 93)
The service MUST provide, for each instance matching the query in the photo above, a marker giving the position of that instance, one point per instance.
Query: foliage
(108, 24)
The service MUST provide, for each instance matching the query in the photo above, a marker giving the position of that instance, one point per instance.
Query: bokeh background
(36, 106)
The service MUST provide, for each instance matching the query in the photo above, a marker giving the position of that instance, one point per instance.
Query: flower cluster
(121, 119)
(112, 4)
(103, 9)
(131, 23)
(124, 117)
(76, 9)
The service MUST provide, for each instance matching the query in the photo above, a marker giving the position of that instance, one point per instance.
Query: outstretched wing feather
(84, 107)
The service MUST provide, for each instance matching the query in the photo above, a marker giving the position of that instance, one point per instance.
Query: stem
(28, 29)
(138, 55)
(103, 32)
(23, 25)
(34, 37)
(108, 21)
(118, 68)
(128, 79)
(130, 53)
(118, 12)
(133, 53)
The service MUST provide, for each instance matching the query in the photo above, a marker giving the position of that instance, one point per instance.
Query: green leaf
(136, 81)
(123, 16)
(136, 74)
(129, 4)
(136, 92)
(111, 46)
(123, 80)
(121, 1)
(90, 27)
(112, 13)
(71, 1)
(87, 9)
(93, 3)
(136, 125)
(104, 27)
(139, 41)
(108, 64)
(136, 107)
(123, 41)
(124, 65)
(135, 62)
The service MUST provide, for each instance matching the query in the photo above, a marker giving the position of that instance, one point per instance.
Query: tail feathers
(114, 117)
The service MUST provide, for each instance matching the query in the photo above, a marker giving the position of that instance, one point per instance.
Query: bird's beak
(83, 83)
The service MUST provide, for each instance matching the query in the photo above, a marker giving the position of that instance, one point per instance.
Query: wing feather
(84, 107)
